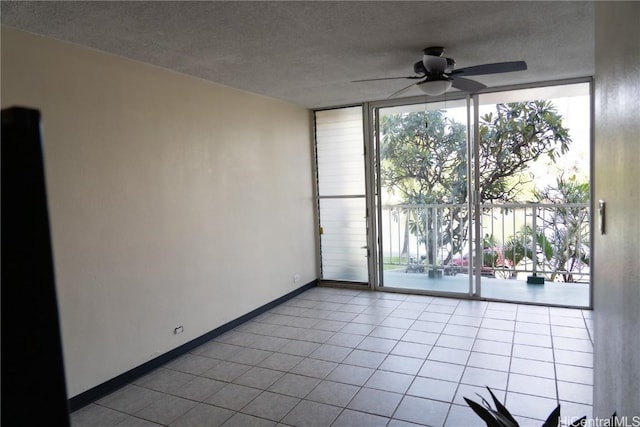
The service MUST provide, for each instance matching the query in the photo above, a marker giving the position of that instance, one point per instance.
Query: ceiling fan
(437, 73)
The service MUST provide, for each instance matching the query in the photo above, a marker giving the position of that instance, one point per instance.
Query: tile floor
(339, 357)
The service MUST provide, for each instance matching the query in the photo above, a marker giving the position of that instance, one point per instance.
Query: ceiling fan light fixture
(435, 87)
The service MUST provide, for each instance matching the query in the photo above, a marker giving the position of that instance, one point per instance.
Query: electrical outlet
(296, 278)
(178, 330)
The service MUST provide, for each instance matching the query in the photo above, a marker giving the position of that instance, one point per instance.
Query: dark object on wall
(33, 381)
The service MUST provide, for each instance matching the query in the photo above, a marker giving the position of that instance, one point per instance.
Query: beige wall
(617, 181)
(173, 201)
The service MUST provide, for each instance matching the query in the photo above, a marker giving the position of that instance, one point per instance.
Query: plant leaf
(502, 409)
(554, 418)
(483, 413)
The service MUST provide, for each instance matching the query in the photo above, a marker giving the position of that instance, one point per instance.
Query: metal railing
(546, 239)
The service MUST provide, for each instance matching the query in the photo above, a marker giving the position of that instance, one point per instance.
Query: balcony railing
(542, 239)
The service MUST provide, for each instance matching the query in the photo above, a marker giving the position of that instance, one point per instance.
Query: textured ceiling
(309, 52)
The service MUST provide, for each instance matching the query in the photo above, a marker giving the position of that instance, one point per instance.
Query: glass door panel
(424, 223)
(341, 194)
(534, 194)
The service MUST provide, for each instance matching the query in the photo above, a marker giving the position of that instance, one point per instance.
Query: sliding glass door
(534, 194)
(423, 197)
(488, 196)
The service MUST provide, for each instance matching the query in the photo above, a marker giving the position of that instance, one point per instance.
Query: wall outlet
(296, 278)
(178, 330)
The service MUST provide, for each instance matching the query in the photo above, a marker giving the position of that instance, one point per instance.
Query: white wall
(616, 278)
(173, 201)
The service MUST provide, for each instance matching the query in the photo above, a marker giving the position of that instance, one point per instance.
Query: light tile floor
(340, 357)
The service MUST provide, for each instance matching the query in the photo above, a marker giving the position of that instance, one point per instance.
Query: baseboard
(101, 390)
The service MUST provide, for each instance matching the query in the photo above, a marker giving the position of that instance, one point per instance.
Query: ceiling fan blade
(388, 78)
(467, 85)
(398, 92)
(496, 67)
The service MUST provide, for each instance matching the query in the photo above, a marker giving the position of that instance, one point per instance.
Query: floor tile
(233, 396)
(376, 402)
(574, 374)
(367, 359)
(244, 420)
(422, 411)
(251, 356)
(345, 339)
(299, 348)
(349, 418)
(575, 358)
(425, 326)
(573, 392)
(333, 393)
(131, 421)
(203, 415)
(390, 381)
(500, 314)
(492, 347)
(457, 319)
(96, 416)
(166, 409)
(533, 328)
(281, 361)
(272, 406)
(532, 339)
(532, 352)
(485, 378)
(461, 331)
(402, 364)
(350, 374)
(388, 332)
(460, 416)
(218, 350)
(410, 349)
(294, 385)
(537, 386)
(192, 364)
(564, 343)
(261, 378)
(532, 367)
(433, 389)
(130, 399)
(312, 414)
(397, 322)
(164, 380)
(226, 371)
(314, 336)
(495, 335)
(314, 368)
(569, 332)
(450, 355)
(500, 324)
(420, 337)
(331, 353)
(380, 345)
(450, 341)
(441, 370)
(489, 361)
(199, 389)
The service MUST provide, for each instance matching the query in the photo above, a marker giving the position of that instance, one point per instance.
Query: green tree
(424, 160)
(567, 226)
